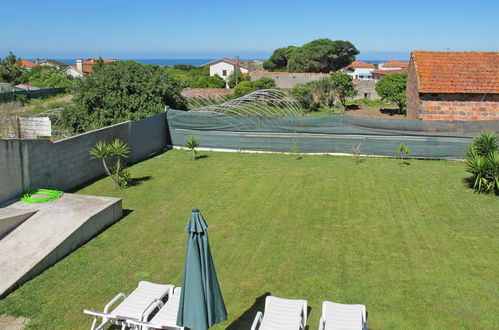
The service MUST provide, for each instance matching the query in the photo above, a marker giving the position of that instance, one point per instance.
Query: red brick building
(453, 86)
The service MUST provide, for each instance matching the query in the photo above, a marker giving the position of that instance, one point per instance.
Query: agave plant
(483, 163)
(117, 149)
(192, 143)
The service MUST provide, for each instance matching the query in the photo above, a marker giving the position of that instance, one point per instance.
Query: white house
(360, 70)
(223, 67)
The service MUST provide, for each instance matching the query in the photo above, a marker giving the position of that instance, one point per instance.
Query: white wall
(217, 69)
(357, 71)
(73, 73)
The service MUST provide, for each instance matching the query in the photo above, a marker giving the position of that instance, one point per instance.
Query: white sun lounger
(343, 316)
(281, 314)
(165, 318)
(132, 307)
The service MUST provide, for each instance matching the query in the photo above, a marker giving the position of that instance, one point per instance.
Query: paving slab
(55, 229)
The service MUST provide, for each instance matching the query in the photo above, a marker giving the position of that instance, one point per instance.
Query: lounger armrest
(115, 299)
(258, 319)
(149, 309)
(322, 322)
(99, 314)
(146, 325)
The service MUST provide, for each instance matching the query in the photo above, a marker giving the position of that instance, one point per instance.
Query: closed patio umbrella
(201, 301)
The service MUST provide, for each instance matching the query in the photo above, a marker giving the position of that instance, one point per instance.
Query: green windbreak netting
(326, 134)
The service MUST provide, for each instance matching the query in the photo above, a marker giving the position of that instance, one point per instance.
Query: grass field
(411, 242)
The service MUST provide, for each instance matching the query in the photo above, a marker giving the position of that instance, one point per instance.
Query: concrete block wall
(12, 169)
(66, 164)
(148, 136)
(366, 89)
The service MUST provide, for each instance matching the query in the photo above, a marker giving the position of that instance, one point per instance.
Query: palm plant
(192, 143)
(483, 162)
(117, 149)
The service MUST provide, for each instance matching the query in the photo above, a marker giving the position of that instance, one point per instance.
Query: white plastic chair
(165, 318)
(281, 314)
(343, 316)
(132, 307)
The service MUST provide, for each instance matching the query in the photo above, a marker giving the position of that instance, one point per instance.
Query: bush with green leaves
(231, 79)
(392, 88)
(246, 87)
(121, 91)
(483, 163)
(192, 143)
(402, 152)
(11, 70)
(115, 150)
(47, 76)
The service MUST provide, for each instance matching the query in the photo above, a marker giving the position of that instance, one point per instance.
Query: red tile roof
(457, 72)
(86, 68)
(395, 64)
(387, 72)
(234, 62)
(360, 64)
(27, 64)
(93, 61)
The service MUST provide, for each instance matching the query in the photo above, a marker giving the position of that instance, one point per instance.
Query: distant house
(84, 67)
(27, 64)
(52, 63)
(223, 67)
(360, 70)
(453, 86)
(393, 65)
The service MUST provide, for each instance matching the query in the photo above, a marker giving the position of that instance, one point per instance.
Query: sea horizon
(195, 62)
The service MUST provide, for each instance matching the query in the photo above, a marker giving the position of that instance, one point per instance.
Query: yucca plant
(117, 149)
(483, 163)
(192, 143)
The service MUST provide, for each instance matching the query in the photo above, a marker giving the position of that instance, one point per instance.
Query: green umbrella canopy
(201, 301)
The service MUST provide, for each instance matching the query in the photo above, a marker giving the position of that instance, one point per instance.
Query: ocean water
(165, 62)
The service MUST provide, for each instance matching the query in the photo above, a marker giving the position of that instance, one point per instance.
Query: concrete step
(54, 229)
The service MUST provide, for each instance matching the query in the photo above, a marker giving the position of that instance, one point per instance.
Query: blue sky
(250, 29)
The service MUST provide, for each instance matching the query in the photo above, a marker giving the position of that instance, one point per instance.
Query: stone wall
(366, 89)
(412, 91)
(289, 80)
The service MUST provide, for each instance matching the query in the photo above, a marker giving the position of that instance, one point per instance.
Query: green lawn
(411, 242)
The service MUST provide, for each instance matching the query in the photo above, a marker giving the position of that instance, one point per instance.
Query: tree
(11, 70)
(263, 83)
(323, 91)
(343, 86)
(121, 91)
(392, 88)
(47, 76)
(322, 55)
(303, 94)
(231, 80)
(209, 82)
(246, 87)
(278, 61)
(243, 88)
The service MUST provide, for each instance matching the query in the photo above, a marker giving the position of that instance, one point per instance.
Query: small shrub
(356, 154)
(402, 152)
(117, 171)
(483, 163)
(192, 143)
(296, 150)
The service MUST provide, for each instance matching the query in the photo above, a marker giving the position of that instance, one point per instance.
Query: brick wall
(459, 106)
(412, 91)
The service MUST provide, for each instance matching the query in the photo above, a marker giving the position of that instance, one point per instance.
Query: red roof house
(453, 86)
